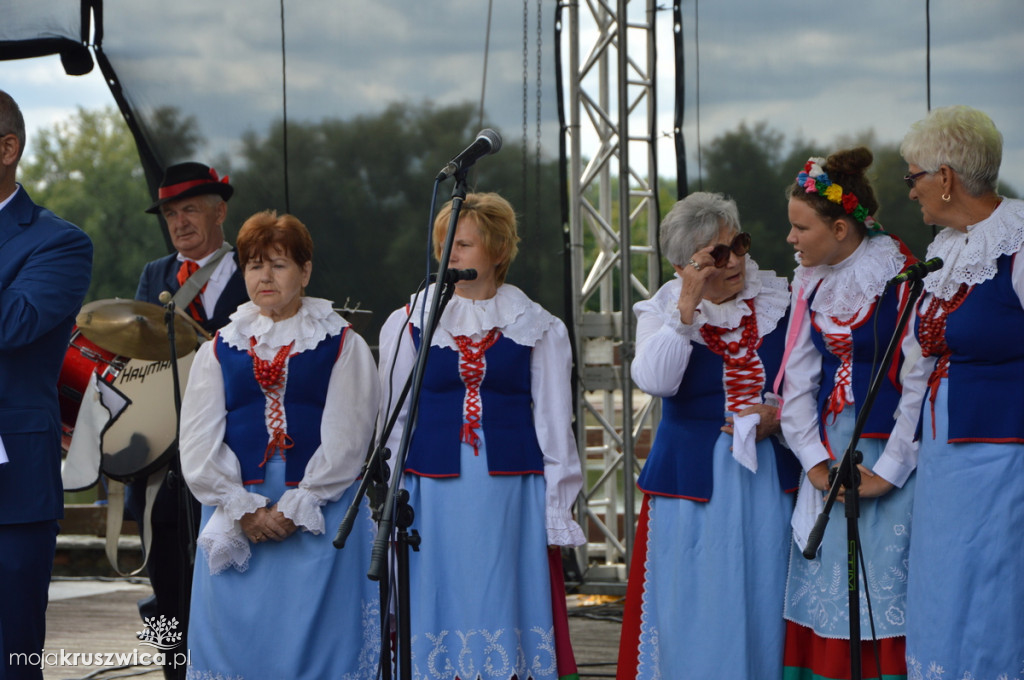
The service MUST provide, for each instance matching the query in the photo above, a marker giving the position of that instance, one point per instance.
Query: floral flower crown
(815, 180)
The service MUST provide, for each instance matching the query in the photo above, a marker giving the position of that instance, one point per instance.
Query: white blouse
(212, 470)
(664, 343)
(526, 323)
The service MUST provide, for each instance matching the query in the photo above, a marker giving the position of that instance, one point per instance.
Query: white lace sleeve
(346, 428)
(210, 468)
(551, 380)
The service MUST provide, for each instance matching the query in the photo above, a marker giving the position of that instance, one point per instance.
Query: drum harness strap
(190, 289)
(115, 489)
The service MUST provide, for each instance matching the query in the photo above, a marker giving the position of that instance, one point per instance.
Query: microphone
(487, 142)
(165, 297)
(917, 271)
(455, 275)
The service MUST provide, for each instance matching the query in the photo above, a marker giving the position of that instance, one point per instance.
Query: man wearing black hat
(193, 202)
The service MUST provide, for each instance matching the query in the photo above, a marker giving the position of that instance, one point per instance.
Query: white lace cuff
(224, 543)
(302, 507)
(563, 529)
(242, 503)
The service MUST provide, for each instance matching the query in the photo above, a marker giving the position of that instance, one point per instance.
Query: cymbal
(135, 329)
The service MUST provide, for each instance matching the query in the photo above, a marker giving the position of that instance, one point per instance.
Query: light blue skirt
(480, 585)
(715, 576)
(965, 600)
(302, 609)
(816, 593)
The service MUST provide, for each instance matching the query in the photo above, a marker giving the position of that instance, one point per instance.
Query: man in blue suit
(45, 268)
(193, 201)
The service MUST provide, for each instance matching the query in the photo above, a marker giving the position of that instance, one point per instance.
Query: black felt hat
(190, 179)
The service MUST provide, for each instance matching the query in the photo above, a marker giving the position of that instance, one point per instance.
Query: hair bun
(853, 161)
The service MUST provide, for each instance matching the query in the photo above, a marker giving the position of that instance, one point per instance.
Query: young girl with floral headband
(843, 316)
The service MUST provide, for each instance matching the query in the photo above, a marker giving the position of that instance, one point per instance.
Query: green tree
(363, 188)
(86, 169)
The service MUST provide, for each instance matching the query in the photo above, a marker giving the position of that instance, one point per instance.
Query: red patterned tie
(195, 307)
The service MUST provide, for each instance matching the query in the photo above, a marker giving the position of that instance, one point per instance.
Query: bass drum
(83, 358)
(142, 437)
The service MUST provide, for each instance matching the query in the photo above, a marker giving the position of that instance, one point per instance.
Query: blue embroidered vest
(309, 374)
(986, 369)
(506, 413)
(880, 421)
(680, 462)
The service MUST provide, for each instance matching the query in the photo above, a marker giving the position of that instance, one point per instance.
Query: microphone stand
(186, 528)
(396, 512)
(847, 475)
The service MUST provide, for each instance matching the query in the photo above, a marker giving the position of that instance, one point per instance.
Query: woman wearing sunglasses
(965, 593)
(709, 564)
(843, 317)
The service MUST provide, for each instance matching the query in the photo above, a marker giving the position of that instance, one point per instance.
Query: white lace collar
(769, 292)
(315, 320)
(854, 283)
(519, 318)
(971, 257)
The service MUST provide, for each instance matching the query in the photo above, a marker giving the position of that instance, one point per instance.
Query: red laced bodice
(932, 336)
(270, 375)
(744, 372)
(471, 369)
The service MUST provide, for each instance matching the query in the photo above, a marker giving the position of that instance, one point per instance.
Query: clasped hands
(871, 485)
(267, 523)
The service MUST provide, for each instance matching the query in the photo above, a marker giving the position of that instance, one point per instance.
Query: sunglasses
(740, 246)
(911, 180)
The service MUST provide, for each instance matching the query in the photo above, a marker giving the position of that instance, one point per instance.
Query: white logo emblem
(160, 633)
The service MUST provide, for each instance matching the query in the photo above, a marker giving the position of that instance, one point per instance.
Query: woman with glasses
(844, 315)
(709, 563)
(965, 593)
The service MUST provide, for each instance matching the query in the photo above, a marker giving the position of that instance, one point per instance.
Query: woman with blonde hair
(492, 468)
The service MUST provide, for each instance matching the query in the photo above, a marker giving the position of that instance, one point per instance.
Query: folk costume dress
(844, 317)
(965, 595)
(708, 574)
(298, 608)
(492, 472)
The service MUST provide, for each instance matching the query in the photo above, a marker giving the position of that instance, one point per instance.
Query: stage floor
(97, 620)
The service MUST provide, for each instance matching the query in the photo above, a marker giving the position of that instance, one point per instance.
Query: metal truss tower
(613, 217)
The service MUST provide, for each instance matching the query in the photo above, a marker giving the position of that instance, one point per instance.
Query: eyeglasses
(911, 180)
(740, 246)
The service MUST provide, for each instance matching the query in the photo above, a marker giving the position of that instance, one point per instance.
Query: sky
(811, 71)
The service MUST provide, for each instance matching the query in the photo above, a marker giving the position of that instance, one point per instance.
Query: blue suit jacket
(160, 275)
(45, 269)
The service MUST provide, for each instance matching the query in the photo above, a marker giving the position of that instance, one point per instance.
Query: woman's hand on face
(693, 276)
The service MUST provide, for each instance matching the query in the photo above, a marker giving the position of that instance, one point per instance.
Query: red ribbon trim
(173, 190)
